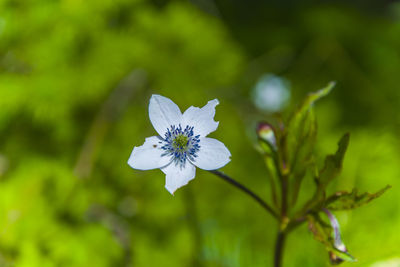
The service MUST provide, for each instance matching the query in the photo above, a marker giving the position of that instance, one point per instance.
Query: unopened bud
(266, 132)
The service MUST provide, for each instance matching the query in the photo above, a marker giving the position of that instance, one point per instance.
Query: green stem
(280, 240)
(247, 191)
(279, 246)
(284, 197)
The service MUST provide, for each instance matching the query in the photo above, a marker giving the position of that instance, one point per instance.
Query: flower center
(180, 144)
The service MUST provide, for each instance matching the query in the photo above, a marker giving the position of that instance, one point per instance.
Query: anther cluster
(180, 144)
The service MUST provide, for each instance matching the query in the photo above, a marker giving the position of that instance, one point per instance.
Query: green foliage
(328, 236)
(345, 201)
(300, 138)
(288, 163)
(331, 169)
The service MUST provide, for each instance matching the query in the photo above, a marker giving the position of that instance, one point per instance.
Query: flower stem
(279, 244)
(238, 185)
(281, 236)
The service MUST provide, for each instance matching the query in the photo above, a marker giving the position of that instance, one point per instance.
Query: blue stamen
(180, 144)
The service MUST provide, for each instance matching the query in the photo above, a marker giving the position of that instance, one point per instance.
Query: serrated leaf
(332, 167)
(333, 163)
(346, 201)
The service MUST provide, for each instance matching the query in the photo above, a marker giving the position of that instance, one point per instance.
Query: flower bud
(266, 132)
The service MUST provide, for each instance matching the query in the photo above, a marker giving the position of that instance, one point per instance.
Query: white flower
(182, 143)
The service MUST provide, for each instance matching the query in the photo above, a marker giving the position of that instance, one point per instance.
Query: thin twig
(247, 191)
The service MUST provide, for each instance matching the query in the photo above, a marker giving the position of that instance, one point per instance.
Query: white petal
(177, 177)
(212, 154)
(202, 119)
(163, 113)
(148, 156)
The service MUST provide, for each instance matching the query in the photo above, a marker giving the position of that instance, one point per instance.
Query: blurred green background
(75, 80)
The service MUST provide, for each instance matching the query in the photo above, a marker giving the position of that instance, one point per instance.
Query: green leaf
(300, 138)
(332, 167)
(302, 123)
(304, 159)
(320, 230)
(345, 201)
(333, 163)
(329, 235)
(338, 257)
(308, 102)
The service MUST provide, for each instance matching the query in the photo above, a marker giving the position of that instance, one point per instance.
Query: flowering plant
(288, 151)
